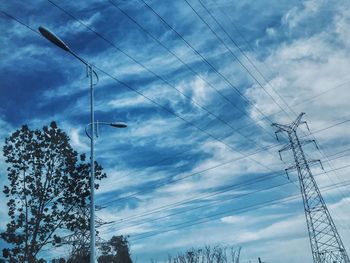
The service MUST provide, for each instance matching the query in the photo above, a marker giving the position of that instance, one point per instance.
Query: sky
(199, 83)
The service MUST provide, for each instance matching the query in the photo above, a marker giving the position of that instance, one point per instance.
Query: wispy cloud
(302, 49)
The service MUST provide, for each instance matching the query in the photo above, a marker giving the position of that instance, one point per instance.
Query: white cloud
(342, 22)
(234, 219)
(74, 27)
(283, 228)
(271, 32)
(76, 142)
(133, 101)
(198, 90)
(297, 14)
(308, 66)
(5, 130)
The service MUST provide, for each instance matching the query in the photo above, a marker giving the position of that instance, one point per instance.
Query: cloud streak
(302, 49)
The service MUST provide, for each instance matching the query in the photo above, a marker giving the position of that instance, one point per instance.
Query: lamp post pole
(92, 177)
(58, 42)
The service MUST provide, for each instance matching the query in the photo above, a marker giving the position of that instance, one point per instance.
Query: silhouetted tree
(83, 257)
(208, 254)
(47, 179)
(116, 250)
(59, 260)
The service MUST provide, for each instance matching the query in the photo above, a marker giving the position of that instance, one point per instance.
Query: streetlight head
(53, 38)
(119, 125)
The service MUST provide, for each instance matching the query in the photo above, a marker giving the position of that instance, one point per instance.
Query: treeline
(208, 254)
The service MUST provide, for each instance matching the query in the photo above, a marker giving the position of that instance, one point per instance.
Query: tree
(217, 254)
(58, 260)
(47, 180)
(116, 250)
(79, 257)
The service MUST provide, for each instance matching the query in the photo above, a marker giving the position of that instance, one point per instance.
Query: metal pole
(92, 177)
(58, 42)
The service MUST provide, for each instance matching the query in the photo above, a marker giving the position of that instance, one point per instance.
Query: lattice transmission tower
(79, 241)
(326, 245)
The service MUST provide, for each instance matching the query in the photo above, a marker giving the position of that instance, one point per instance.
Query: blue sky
(195, 96)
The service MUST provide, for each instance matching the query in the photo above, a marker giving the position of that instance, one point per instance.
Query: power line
(165, 108)
(247, 57)
(330, 165)
(243, 127)
(309, 99)
(319, 148)
(167, 182)
(19, 21)
(223, 29)
(236, 58)
(38, 33)
(173, 55)
(183, 62)
(146, 68)
(112, 44)
(148, 98)
(216, 215)
(219, 191)
(241, 63)
(223, 77)
(183, 119)
(189, 67)
(236, 28)
(224, 189)
(214, 193)
(222, 10)
(200, 198)
(169, 84)
(230, 51)
(154, 73)
(237, 211)
(251, 49)
(212, 202)
(204, 59)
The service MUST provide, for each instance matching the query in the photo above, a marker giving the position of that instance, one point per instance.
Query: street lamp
(58, 42)
(97, 123)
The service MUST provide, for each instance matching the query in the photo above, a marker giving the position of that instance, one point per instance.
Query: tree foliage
(79, 257)
(47, 180)
(208, 254)
(116, 250)
(59, 260)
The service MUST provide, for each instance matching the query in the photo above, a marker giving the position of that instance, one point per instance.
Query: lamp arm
(86, 64)
(97, 123)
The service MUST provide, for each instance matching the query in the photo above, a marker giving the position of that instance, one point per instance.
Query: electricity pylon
(79, 241)
(326, 245)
